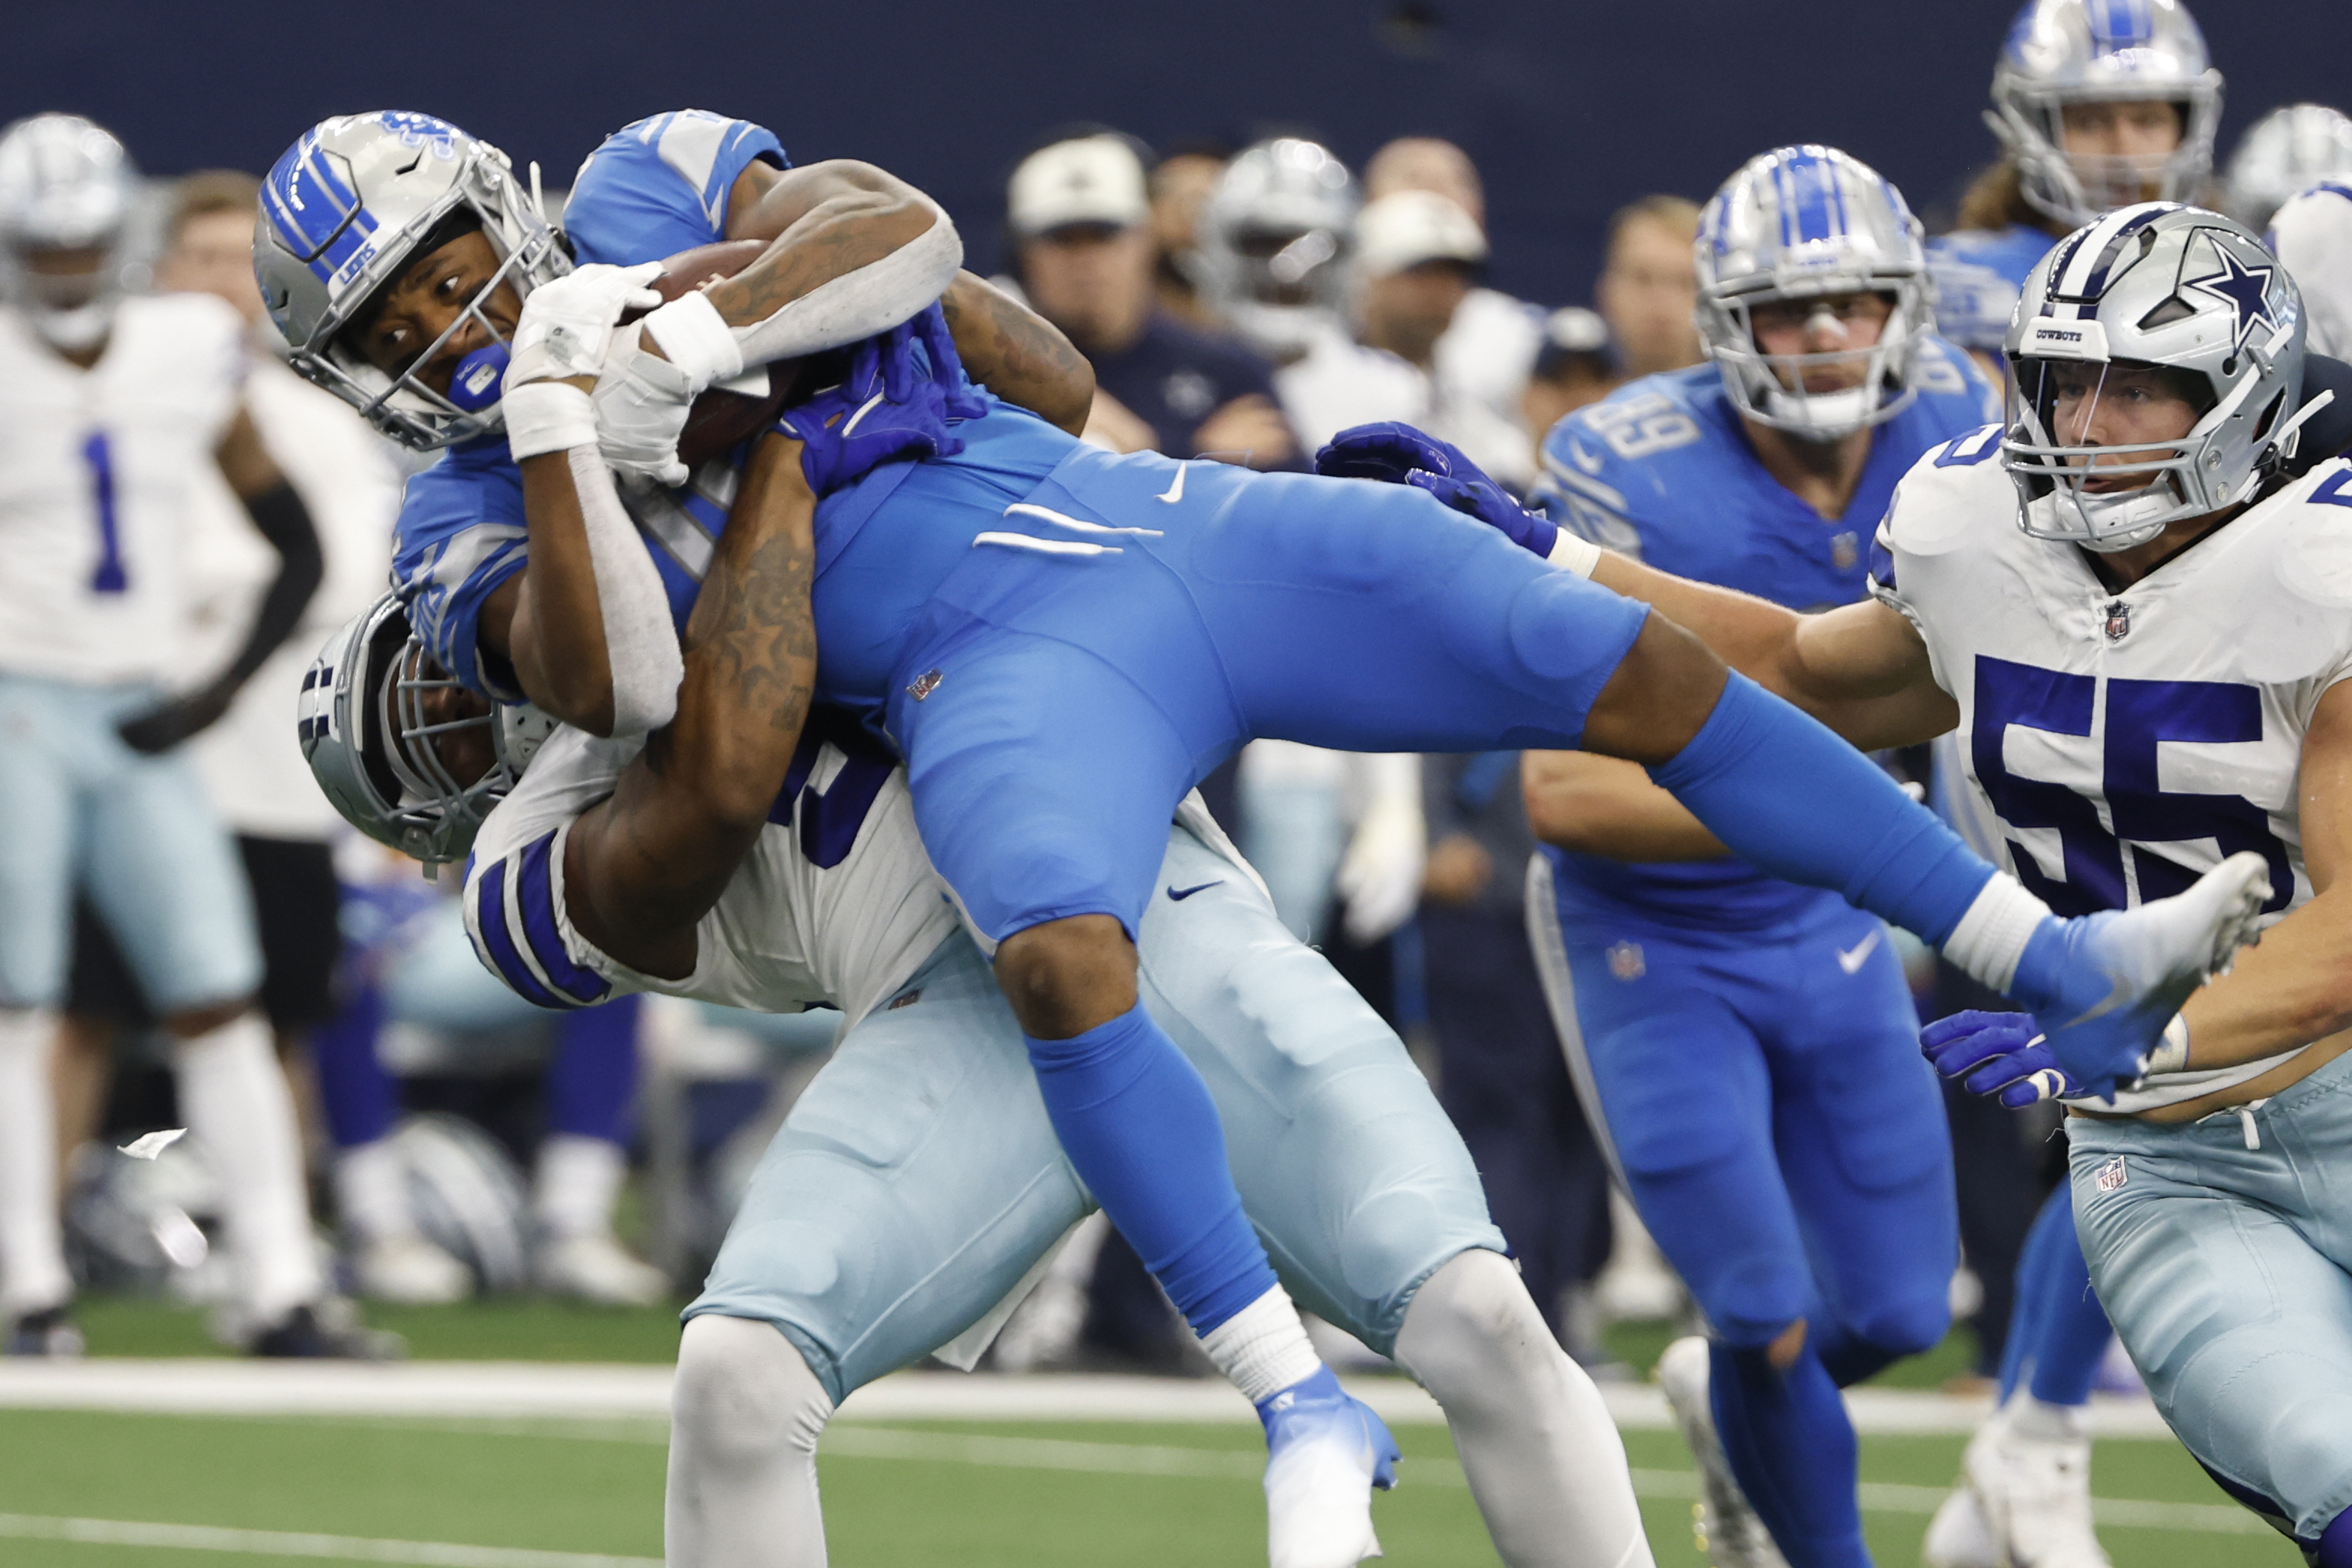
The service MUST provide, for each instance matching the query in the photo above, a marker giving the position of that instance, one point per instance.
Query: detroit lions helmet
(65, 184)
(1799, 223)
(1273, 244)
(375, 715)
(2286, 150)
(346, 209)
(2168, 286)
(2102, 51)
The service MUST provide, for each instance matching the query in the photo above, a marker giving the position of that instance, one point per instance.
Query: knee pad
(743, 1392)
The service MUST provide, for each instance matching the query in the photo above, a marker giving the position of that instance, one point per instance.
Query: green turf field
(904, 1495)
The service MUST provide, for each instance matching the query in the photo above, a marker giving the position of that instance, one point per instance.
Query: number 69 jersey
(836, 903)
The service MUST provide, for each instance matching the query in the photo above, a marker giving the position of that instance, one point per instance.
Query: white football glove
(1379, 881)
(642, 401)
(567, 322)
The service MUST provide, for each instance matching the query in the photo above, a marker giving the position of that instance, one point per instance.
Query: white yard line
(291, 1544)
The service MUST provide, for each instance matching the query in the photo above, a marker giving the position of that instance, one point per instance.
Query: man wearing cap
(1080, 215)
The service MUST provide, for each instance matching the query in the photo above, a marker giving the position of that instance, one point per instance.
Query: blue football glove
(848, 431)
(1397, 454)
(901, 371)
(1997, 1052)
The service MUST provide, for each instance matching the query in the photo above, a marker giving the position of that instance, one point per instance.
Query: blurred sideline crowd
(431, 1136)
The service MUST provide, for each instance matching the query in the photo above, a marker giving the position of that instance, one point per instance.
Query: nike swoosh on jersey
(1179, 894)
(1175, 490)
(1851, 958)
(1577, 455)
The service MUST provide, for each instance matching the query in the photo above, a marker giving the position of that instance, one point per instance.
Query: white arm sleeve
(639, 642)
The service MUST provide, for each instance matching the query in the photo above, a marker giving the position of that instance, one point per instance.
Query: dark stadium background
(1570, 109)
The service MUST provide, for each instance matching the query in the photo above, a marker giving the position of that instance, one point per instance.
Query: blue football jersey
(1663, 470)
(1977, 274)
(653, 189)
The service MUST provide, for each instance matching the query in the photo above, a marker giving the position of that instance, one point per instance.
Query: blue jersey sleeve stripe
(535, 897)
(496, 945)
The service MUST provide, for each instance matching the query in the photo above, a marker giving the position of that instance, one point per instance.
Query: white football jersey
(2127, 742)
(96, 468)
(2312, 232)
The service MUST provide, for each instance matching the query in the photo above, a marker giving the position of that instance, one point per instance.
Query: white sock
(371, 1192)
(745, 1415)
(1262, 1348)
(1991, 937)
(2039, 1421)
(577, 1184)
(235, 1097)
(33, 1275)
(1544, 1462)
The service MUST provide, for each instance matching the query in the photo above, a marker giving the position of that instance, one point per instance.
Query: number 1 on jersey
(110, 577)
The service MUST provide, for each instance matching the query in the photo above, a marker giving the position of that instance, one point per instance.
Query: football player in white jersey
(2311, 234)
(111, 408)
(2131, 601)
(918, 1187)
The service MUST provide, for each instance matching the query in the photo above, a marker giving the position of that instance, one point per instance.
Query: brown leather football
(721, 419)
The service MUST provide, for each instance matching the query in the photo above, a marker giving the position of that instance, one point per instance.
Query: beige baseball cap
(1406, 228)
(1091, 180)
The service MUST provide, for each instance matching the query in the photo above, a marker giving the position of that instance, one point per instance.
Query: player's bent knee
(1064, 977)
(1661, 693)
(1472, 1313)
(742, 1392)
(1907, 1327)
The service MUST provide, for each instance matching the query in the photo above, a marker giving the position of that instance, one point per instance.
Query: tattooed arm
(1018, 354)
(642, 867)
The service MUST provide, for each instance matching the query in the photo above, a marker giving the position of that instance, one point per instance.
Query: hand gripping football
(730, 412)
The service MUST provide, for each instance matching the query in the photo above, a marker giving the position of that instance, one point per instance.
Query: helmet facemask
(66, 190)
(2107, 497)
(2075, 188)
(1769, 388)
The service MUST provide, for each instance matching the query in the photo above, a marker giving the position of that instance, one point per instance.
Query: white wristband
(1571, 553)
(2172, 1055)
(696, 339)
(544, 417)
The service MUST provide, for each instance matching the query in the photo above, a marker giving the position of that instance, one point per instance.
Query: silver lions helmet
(2186, 291)
(1800, 222)
(2062, 52)
(67, 188)
(345, 211)
(2286, 150)
(1273, 237)
(388, 734)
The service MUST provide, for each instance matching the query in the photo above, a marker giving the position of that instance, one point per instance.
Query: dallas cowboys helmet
(1800, 223)
(2286, 150)
(2157, 284)
(1273, 240)
(2102, 51)
(65, 184)
(375, 711)
(346, 209)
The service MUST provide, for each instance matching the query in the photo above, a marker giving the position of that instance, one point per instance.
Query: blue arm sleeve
(460, 535)
(662, 185)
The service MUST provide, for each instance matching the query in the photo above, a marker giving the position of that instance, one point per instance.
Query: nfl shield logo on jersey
(2118, 621)
(1625, 962)
(2112, 1175)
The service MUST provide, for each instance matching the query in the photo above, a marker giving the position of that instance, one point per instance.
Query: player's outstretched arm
(2295, 986)
(642, 867)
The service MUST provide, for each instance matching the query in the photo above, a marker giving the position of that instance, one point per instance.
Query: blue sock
(1796, 801)
(593, 1074)
(1143, 1134)
(2059, 1335)
(354, 1092)
(1792, 1449)
(2335, 1541)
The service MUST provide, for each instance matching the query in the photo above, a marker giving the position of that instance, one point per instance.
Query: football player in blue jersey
(1805, 1193)
(2097, 103)
(1058, 641)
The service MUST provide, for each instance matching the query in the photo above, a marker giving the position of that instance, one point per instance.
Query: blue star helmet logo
(2247, 290)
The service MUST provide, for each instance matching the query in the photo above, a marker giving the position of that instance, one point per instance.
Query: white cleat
(409, 1270)
(596, 1268)
(1960, 1536)
(1728, 1528)
(2036, 1497)
(1326, 1452)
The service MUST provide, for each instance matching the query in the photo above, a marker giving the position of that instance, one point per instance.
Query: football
(732, 412)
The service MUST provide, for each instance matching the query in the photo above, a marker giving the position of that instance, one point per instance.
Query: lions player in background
(110, 408)
(2097, 103)
(1752, 1042)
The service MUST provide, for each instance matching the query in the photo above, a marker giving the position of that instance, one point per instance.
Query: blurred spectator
(1648, 291)
(1081, 217)
(1489, 347)
(1573, 368)
(1416, 255)
(1501, 1074)
(1179, 184)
